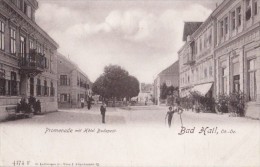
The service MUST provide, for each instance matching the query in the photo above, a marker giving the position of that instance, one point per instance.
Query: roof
(60, 56)
(190, 28)
(171, 70)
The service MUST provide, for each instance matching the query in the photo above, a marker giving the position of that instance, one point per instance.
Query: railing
(32, 60)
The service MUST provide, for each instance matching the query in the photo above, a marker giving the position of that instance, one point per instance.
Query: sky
(142, 36)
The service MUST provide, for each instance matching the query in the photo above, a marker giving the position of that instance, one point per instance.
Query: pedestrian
(169, 114)
(82, 100)
(103, 111)
(89, 102)
(179, 110)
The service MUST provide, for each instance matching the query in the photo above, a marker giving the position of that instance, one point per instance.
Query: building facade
(169, 76)
(237, 52)
(27, 57)
(146, 93)
(233, 46)
(197, 61)
(73, 84)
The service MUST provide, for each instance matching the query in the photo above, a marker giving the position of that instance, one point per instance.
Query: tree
(116, 82)
(132, 87)
(165, 91)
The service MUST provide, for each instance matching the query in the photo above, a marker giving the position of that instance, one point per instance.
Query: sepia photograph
(129, 83)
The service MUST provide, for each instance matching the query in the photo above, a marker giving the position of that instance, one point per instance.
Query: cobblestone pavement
(132, 136)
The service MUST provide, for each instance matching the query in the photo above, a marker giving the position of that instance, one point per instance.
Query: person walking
(177, 108)
(103, 111)
(169, 115)
(82, 101)
(89, 102)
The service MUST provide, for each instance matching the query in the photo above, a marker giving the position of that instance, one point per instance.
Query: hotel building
(27, 57)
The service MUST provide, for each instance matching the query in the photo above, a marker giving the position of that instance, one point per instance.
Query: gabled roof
(190, 28)
(171, 70)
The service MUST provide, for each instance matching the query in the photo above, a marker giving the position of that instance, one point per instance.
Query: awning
(203, 89)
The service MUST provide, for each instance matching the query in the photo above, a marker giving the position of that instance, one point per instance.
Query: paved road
(132, 136)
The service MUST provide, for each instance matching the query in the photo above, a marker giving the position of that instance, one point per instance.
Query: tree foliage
(167, 90)
(116, 82)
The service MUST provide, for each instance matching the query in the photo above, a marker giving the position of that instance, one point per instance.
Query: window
(12, 41)
(224, 80)
(205, 73)
(63, 97)
(255, 8)
(24, 8)
(248, 10)
(205, 40)
(200, 44)
(221, 28)
(236, 77)
(29, 11)
(233, 20)
(252, 79)
(210, 36)
(19, 4)
(32, 86)
(39, 91)
(38, 48)
(197, 73)
(52, 89)
(195, 48)
(210, 71)
(22, 46)
(239, 17)
(45, 88)
(2, 81)
(63, 80)
(2, 36)
(13, 84)
(31, 44)
(226, 25)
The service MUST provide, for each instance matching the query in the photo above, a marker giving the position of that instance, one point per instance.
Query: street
(132, 136)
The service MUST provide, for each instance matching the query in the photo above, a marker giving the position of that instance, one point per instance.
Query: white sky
(141, 36)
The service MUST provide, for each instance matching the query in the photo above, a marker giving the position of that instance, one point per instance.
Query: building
(73, 84)
(169, 76)
(27, 57)
(237, 52)
(196, 60)
(231, 42)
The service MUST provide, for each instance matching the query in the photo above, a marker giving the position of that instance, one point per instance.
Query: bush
(222, 103)
(236, 103)
(185, 102)
(204, 103)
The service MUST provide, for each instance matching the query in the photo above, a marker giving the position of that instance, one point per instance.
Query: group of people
(89, 101)
(176, 108)
(102, 107)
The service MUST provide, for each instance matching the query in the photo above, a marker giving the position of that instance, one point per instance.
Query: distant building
(146, 93)
(73, 84)
(169, 76)
(27, 57)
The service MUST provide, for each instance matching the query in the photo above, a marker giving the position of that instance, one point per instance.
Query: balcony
(32, 63)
